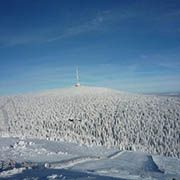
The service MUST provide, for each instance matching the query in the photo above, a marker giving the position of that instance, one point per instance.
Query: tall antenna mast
(77, 74)
(77, 77)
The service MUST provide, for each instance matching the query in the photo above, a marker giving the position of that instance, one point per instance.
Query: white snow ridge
(89, 133)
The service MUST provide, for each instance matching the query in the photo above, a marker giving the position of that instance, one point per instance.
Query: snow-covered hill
(95, 116)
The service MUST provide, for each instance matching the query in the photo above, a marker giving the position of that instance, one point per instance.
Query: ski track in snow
(79, 160)
(72, 162)
(116, 154)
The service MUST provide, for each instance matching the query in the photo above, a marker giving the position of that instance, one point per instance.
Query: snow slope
(42, 159)
(95, 116)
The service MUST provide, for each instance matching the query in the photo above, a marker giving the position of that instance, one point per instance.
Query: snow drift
(99, 116)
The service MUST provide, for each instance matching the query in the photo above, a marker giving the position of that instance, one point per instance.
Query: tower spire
(77, 77)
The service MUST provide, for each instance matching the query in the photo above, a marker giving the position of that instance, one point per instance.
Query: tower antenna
(77, 77)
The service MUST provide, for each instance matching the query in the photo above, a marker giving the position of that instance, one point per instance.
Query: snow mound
(95, 116)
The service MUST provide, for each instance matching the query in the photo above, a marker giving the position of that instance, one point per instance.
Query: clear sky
(131, 45)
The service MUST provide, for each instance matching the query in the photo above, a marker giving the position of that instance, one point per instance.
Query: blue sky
(130, 45)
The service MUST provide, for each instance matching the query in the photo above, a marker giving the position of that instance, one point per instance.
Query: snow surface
(25, 159)
(95, 116)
